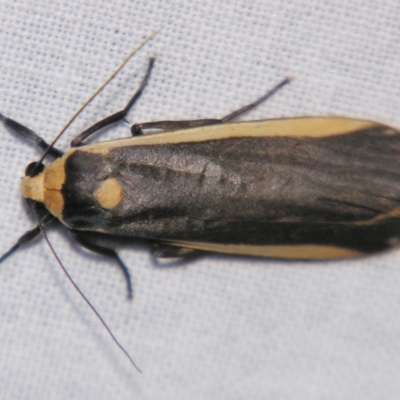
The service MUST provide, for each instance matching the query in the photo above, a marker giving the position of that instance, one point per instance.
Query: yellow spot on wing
(109, 193)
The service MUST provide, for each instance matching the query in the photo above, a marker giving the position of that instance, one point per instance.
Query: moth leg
(118, 116)
(27, 237)
(163, 250)
(137, 129)
(250, 106)
(29, 135)
(105, 251)
(166, 126)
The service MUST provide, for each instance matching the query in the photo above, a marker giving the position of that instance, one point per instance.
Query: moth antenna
(102, 86)
(91, 306)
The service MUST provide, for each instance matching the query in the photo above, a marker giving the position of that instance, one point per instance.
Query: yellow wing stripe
(300, 127)
(305, 252)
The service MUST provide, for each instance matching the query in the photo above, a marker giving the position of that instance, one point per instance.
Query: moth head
(33, 169)
(43, 184)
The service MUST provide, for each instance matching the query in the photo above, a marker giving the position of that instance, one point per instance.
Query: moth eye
(33, 169)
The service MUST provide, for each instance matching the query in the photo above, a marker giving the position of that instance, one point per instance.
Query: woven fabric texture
(217, 327)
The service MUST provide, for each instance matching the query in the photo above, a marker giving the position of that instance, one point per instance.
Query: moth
(293, 188)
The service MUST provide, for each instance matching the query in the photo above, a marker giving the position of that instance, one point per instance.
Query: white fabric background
(219, 327)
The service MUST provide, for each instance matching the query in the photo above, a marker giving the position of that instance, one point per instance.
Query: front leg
(104, 251)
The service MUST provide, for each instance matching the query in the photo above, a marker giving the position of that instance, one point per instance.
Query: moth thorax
(46, 187)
